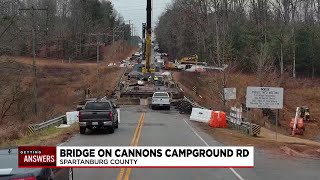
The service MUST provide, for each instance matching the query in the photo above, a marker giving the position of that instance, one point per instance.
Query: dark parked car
(9, 169)
(100, 114)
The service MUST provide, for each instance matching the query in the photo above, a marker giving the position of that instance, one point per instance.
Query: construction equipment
(147, 68)
(297, 123)
(170, 66)
(189, 60)
(305, 113)
(144, 40)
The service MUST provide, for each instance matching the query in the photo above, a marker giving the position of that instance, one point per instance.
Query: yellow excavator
(189, 59)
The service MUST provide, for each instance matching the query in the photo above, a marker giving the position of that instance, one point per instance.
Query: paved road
(169, 128)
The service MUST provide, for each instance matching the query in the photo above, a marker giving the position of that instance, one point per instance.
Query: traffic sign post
(277, 125)
(265, 97)
(230, 93)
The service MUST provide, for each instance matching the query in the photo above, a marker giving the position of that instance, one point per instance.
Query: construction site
(239, 77)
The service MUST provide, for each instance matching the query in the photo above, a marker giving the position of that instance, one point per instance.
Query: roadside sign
(230, 93)
(236, 115)
(264, 97)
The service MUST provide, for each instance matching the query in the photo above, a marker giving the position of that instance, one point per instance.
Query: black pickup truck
(100, 114)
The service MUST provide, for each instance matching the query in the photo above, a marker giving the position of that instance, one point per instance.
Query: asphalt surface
(169, 128)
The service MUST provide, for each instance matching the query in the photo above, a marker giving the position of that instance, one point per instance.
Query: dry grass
(298, 92)
(60, 88)
(284, 146)
(50, 137)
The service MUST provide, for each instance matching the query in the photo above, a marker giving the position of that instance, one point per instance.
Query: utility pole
(130, 25)
(113, 45)
(132, 42)
(131, 29)
(133, 36)
(116, 33)
(34, 68)
(97, 44)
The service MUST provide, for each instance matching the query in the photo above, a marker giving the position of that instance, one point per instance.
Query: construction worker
(122, 85)
(149, 79)
(155, 78)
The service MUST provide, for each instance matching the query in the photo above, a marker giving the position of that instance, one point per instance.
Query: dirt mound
(300, 150)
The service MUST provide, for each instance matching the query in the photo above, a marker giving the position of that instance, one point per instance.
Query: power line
(129, 9)
(142, 5)
(115, 30)
(11, 22)
(35, 84)
(97, 44)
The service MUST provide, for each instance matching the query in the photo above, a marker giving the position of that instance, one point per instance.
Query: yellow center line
(135, 144)
(133, 141)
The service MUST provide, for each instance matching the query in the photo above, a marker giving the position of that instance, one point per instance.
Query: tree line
(62, 28)
(260, 36)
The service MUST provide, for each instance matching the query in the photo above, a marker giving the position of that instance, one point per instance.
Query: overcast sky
(135, 10)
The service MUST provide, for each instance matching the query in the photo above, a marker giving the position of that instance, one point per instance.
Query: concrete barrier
(72, 117)
(128, 101)
(118, 110)
(144, 102)
(200, 115)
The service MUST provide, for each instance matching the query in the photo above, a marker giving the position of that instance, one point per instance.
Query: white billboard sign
(230, 93)
(264, 97)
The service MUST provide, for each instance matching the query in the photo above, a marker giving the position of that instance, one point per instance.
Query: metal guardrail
(45, 125)
(245, 127)
(121, 77)
(193, 104)
(38, 127)
(59, 120)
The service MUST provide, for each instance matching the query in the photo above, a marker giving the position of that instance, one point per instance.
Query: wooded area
(68, 29)
(55, 32)
(259, 35)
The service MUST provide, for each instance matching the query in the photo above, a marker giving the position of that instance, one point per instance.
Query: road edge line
(195, 132)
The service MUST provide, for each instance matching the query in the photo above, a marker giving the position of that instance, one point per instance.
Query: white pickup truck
(161, 99)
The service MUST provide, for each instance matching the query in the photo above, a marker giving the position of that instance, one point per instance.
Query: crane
(144, 40)
(147, 68)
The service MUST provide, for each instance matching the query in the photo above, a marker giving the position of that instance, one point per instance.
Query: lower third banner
(137, 157)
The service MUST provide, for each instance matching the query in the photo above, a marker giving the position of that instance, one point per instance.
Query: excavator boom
(297, 122)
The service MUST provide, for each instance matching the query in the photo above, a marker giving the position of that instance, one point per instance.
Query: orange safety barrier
(218, 119)
(299, 124)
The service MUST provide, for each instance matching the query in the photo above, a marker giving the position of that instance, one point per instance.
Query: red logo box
(37, 156)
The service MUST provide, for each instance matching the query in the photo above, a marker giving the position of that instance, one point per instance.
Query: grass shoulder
(50, 137)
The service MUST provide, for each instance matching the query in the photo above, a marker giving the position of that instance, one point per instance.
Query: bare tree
(294, 5)
(263, 64)
(12, 93)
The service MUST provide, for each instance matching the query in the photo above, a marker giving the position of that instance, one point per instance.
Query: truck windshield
(160, 95)
(98, 106)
